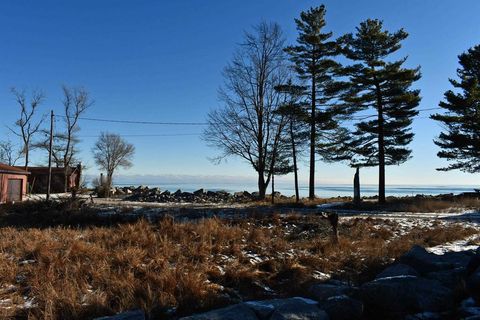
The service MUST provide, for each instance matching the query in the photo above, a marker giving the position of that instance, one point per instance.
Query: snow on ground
(456, 246)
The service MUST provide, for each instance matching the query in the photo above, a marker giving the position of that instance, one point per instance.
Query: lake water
(326, 190)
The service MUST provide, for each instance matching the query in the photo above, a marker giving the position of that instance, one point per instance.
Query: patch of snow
(259, 304)
(29, 303)
(456, 246)
(306, 300)
(320, 275)
(396, 277)
(339, 297)
(254, 258)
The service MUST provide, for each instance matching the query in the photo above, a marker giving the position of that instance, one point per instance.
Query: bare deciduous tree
(27, 126)
(75, 102)
(64, 149)
(110, 152)
(247, 125)
(9, 154)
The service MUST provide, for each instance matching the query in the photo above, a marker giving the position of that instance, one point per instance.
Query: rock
(469, 309)
(458, 259)
(297, 309)
(473, 284)
(398, 269)
(177, 193)
(130, 315)
(261, 309)
(473, 264)
(425, 316)
(199, 192)
(323, 291)
(236, 312)
(342, 308)
(396, 297)
(452, 279)
(425, 262)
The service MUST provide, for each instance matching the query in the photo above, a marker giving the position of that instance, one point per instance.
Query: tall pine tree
(375, 83)
(460, 142)
(312, 57)
(294, 110)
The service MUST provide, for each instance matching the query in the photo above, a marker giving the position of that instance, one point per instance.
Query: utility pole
(50, 145)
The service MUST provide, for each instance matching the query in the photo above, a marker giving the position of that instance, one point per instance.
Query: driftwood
(333, 219)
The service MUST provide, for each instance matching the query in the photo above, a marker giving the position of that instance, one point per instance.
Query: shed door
(14, 190)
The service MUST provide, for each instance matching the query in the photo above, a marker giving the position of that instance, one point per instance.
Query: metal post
(50, 156)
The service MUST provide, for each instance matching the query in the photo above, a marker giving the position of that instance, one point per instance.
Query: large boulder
(453, 279)
(235, 312)
(473, 284)
(262, 309)
(323, 291)
(297, 309)
(343, 308)
(398, 269)
(129, 315)
(424, 262)
(395, 297)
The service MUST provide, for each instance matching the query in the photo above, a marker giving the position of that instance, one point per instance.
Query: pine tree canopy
(381, 86)
(313, 63)
(460, 142)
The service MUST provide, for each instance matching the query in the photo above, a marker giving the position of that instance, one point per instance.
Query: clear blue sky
(162, 61)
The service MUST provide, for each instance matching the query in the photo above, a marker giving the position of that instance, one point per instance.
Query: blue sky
(162, 61)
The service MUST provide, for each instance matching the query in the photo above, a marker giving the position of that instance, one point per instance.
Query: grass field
(62, 263)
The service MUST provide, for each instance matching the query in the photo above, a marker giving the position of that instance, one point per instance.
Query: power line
(363, 117)
(147, 135)
(143, 122)
(374, 115)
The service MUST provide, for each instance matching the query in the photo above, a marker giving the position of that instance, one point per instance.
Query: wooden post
(50, 146)
(356, 187)
(332, 217)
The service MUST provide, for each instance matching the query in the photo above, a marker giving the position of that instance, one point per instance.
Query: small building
(13, 183)
(38, 179)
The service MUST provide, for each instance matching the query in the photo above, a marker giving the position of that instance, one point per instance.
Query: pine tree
(297, 132)
(312, 57)
(378, 84)
(460, 142)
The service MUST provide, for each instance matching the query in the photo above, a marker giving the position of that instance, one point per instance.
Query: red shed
(13, 183)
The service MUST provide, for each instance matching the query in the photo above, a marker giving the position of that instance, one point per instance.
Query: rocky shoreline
(146, 194)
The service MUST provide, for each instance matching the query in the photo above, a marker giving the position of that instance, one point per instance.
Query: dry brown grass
(79, 273)
(419, 204)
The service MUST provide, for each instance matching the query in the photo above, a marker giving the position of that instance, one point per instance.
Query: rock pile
(146, 194)
(420, 285)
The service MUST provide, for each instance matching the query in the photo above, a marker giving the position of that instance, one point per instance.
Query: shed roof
(4, 168)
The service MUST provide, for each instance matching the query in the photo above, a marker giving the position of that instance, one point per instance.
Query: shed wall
(4, 177)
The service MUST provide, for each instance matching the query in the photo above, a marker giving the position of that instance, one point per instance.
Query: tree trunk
(26, 158)
(356, 187)
(262, 187)
(109, 183)
(294, 155)
(311, 187)
(381, 147)
(273, 188)
(65, 172)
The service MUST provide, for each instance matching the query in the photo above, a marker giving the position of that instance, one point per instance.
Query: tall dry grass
(68, 272)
